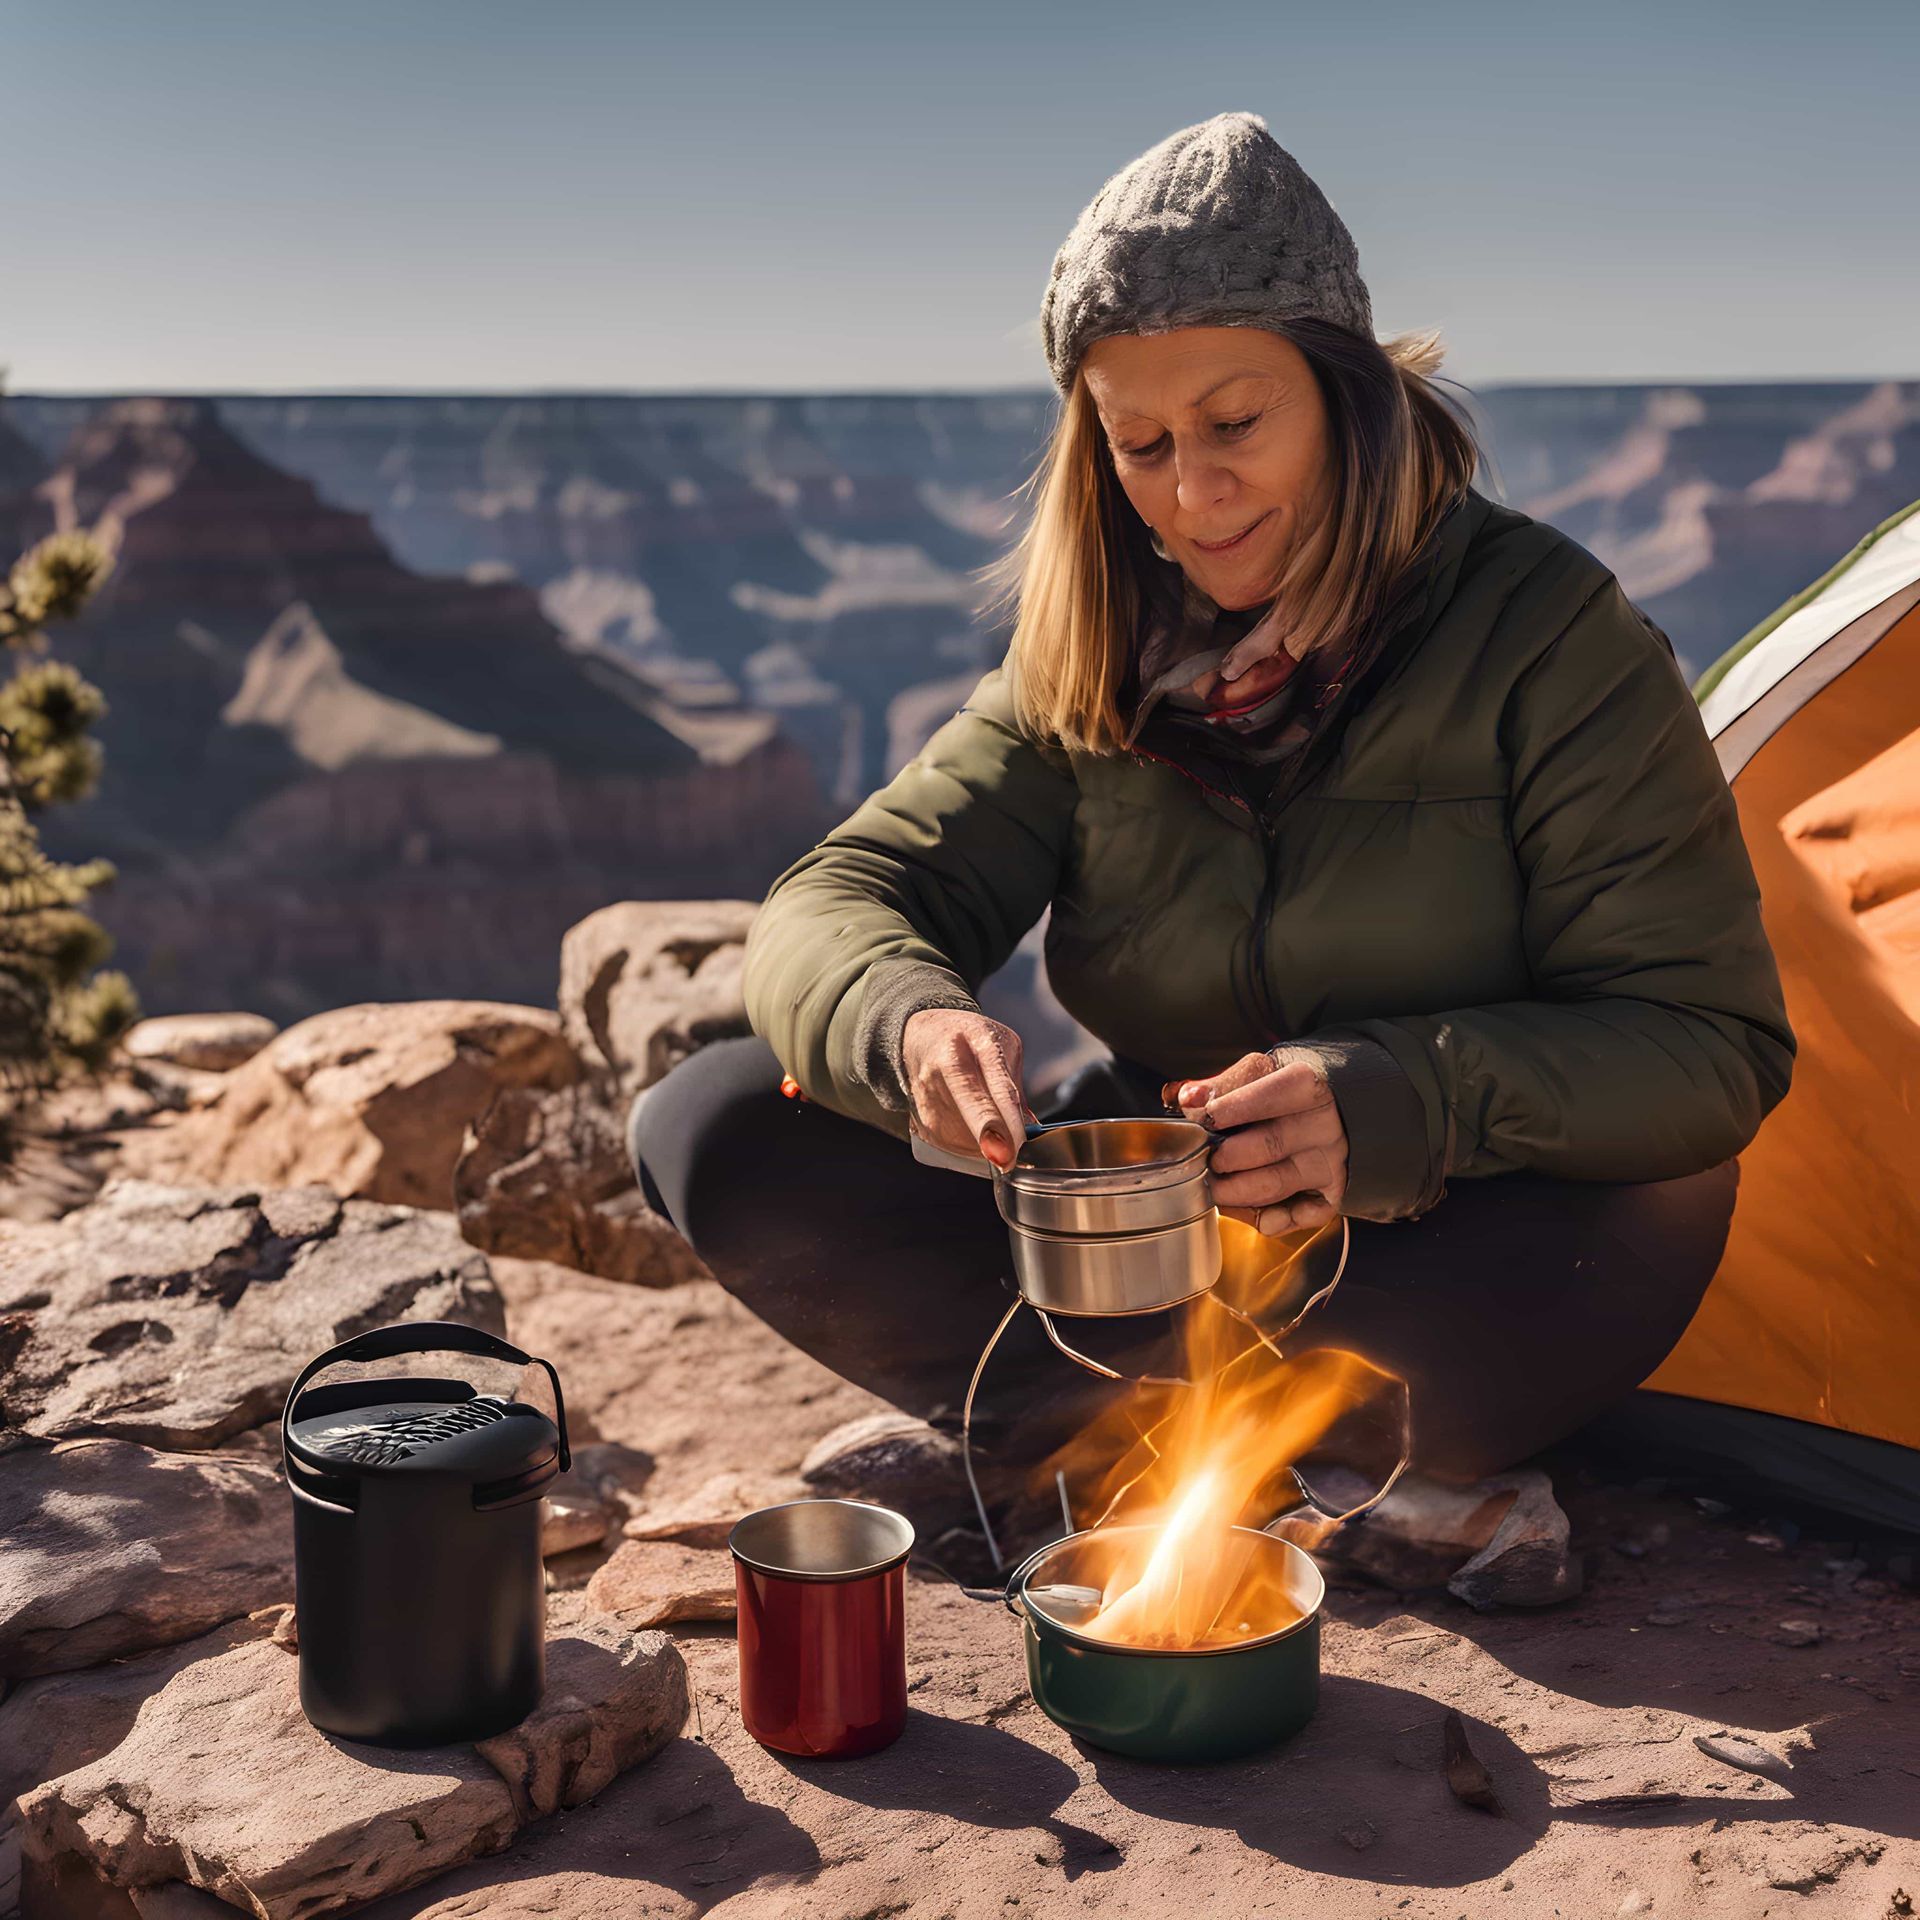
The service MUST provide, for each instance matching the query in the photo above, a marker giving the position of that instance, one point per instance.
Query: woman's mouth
(1227, 546)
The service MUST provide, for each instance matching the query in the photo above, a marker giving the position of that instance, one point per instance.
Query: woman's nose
(1200, 481)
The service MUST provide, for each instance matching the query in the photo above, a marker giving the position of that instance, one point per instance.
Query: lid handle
(426, 1336)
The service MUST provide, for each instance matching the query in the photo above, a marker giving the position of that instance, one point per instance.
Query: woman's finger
(984, 1090)
(1308, 1211)
(1296, 1087)
(1265, 1141)
(939, 1119)
(996, 1076)
(1191, 1096)
(1298, 1215)
(1321, 1170)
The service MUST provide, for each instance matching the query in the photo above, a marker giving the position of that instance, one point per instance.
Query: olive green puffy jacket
(1510, 906)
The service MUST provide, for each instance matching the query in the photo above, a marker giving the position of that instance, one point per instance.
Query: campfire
(1189, 1463)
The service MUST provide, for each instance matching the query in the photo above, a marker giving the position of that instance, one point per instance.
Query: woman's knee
(678, 1124)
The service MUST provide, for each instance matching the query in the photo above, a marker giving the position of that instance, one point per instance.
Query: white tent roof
(1772, 673)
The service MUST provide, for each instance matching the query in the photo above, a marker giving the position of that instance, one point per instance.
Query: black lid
(420, 1429)
(417, 1426)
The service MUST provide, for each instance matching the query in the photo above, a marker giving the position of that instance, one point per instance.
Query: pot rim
(1036, 1618)
(772, 1572)
(1134, 1176)
(1108, 1236)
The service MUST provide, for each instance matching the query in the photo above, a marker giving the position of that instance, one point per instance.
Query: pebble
(1798, 1633)
(1635, 1902)
(1360, 1836)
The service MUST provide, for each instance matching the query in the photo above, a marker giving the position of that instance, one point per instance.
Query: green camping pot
(1212, 1703)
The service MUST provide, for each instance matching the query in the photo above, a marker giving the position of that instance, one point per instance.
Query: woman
(1377, 827)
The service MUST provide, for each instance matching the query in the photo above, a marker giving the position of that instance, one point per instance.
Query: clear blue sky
(809, 195)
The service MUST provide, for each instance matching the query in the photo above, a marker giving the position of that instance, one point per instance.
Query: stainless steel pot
(1105, 1217)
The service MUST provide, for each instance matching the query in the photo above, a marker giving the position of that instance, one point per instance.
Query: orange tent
(1815, 1312)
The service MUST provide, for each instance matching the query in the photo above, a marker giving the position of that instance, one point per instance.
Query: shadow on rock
(680, 1822)
(1359, 1794)
(1859, 1770)
(966, 1771)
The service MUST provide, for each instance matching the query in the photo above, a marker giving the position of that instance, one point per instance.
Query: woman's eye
(1238, 427)
(1142, 453)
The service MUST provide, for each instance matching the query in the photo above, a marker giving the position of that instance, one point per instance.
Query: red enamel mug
(823, 1626)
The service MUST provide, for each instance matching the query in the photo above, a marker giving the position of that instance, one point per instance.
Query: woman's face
(1219, 436)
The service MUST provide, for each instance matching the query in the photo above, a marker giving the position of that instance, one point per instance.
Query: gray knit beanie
(1217, 226)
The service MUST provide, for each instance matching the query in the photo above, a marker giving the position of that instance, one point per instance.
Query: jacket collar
(1404, 624)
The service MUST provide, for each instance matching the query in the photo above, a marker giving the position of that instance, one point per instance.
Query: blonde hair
(1399, 458)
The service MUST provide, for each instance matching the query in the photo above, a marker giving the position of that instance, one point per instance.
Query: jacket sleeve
(910, 904)
(1657, 1038)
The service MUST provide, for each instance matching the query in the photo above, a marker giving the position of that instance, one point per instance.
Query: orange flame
(1214, 1453)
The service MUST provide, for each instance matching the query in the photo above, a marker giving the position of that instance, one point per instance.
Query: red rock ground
(1585, 1715)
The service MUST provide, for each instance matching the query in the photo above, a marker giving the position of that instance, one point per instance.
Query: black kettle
(418, 1584)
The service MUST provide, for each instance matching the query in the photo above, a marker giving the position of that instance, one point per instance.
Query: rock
(178, 1901)
(705, 1517)
(589, 1501)
(1502, 1542)
(1832, 1864)
(370, 1100)
(1528, 1562)
(113, 1548)
(1798, 1633)
(205, 1042)
(1422, 1533)
(895, 1461)
(51, 1726)
(572, 1517)
(221, 1784)
(1467, 1777)
(614, 1698)
(1360, 1835)
(658, 1583)
(1736, 1750)
(544, 1175)
(179, 1316)
(644, 983)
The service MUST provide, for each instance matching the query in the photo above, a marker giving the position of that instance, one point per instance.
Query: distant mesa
(401, 686)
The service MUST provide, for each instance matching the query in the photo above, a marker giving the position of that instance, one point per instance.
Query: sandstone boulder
(708, 1514)
(52, 1725)
(370, 1100)
(615, 1696)
(1501, 1542)
(572, 1517)
(895, 1461)
(544, 1175)
(644, 983)
(657, 1583)
(177, 1317)
(206, 1042)
(221, 1784)
(113, 1548)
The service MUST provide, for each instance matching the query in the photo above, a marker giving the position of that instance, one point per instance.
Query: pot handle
(425, 1336)
(948, 1161)
(1009, 1596)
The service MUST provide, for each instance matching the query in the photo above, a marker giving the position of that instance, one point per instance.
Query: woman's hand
(1283, 1162)
(963, 1079)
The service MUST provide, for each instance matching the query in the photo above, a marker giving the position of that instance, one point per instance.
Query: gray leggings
(1516, 1309)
